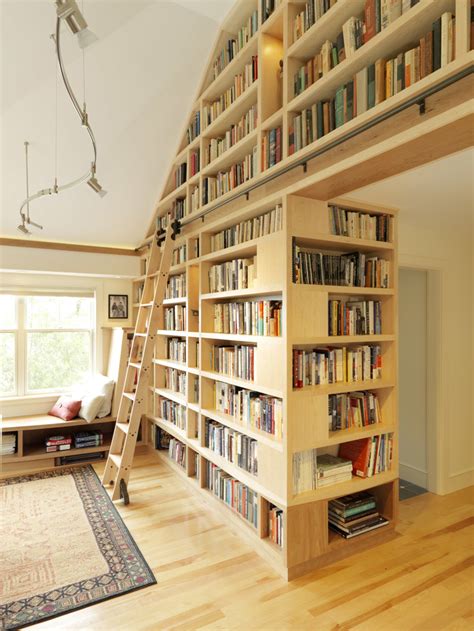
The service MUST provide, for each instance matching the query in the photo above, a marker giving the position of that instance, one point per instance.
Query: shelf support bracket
(305, 167)
(422, 106)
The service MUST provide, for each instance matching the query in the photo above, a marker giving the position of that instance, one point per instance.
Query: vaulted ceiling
(141, 79)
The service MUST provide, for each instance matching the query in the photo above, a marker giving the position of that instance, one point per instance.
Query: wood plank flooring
(208, 578)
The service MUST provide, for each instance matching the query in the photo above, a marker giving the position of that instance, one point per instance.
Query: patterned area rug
(63, 546)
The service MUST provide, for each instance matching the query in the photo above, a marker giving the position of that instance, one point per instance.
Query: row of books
(322, 366)
(194, 128)
(235, 494)
(364, 458)
(232, 275)
(78, 440)
(175, 380)
(175, 318)
(173, 413)
(313, 10)
(271, 148)
(195, 199)
(360, 225)
(179, 255)
(225, 181)
(374, 84)
(180, 175)
(354, 269)
(197, 465)
(176, 287)
(217, 146)
(8, 444)
(354, 317)
(234, 361)
(237, 448)
(250, 317)
(242, 81)
(379, 14)
(276, 525)
(177, 452)
(268, 7)
(354, 515)
(251, 409)
(254, 228)
(176, 349)
(355, 409)
(194, 162)
(235, 45)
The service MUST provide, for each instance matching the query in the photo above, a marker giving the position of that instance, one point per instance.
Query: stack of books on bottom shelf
(93, 438)
(7, 444)
(275, 525)
(332, 470)
(354, 515)
(58, 443)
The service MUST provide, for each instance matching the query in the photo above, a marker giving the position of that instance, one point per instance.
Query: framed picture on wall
(118, 307)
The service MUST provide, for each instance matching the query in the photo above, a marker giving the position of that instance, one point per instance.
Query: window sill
(50, 396)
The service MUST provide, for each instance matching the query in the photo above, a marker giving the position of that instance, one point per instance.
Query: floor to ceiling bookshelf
(188, 394)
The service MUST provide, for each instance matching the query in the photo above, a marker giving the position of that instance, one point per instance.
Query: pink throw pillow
(65, 408)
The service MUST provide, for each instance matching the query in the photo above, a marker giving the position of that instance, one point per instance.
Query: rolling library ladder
(133, 397)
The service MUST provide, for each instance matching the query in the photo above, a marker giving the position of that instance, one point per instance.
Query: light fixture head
(95, 186)
(68, 11)
(86, 37)
(22, 228)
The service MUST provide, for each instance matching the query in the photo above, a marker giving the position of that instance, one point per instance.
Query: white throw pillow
(91, 404)
(100, 384)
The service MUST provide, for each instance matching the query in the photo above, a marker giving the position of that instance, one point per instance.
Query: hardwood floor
(208, 578)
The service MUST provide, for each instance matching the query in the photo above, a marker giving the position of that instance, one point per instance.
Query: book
(358, 452)
(369, 456)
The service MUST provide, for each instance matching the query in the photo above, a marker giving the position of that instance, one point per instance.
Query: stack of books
(7, 444)
(94, 438)
(369, 456)
(58, 443)
(275, 525)
(332, 470)
(353, 515)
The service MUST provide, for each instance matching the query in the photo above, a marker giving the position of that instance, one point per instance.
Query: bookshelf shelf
(234, 154)
(337, 243)
(274, 120)
(345, 435)
(225, 419)
(233, 113)
(241, 293)
(344, 290)
(346, 386)
(241, 383)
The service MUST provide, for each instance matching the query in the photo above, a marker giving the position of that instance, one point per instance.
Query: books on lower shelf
(235, 494)
(194, 162)
(180, 175)
(177, 452)
(236, 132)
(75, 458)
(225, 181)
(8, 444)
(356, 409)
(173, 412)
(237, 448)
(360, 225)
(194, 129)
(249, 408)
(179, 255)
(250, 317)
(234, 361)
(79, 440)
(275, 525)
(272, 148)
(354, 269)
(177, 349)
(369, 456)
(232, 275)
(323, 366)
(175, 318)
(354, 317)
(175, 380)
(259, 226)
(176, 287)
(355, 514)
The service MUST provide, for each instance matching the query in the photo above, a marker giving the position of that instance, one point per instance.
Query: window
(46, 342)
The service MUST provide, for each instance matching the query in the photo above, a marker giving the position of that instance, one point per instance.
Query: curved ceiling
(141, 78)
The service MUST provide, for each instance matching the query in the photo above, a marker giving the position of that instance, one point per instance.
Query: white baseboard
(413, 475)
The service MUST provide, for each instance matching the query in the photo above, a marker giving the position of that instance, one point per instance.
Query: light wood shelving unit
(307, 542)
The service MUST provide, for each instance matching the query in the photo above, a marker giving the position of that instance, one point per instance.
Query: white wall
(412, 376)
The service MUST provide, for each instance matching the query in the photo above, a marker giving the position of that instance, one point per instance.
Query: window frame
(21, 342)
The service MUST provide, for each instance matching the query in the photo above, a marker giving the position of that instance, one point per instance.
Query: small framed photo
(118, 307)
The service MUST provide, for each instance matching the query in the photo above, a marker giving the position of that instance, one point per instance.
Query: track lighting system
(66, 11)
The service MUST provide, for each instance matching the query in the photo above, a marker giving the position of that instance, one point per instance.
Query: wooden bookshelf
(305, 197)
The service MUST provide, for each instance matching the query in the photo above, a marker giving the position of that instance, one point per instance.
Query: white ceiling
(142, 76)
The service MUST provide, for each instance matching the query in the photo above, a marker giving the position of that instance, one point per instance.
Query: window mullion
(21, 348)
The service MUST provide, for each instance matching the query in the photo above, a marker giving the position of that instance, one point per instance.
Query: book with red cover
(358, 451)
(370, 21)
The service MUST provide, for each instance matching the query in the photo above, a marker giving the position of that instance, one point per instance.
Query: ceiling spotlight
(68, 11)
(94, 184)
(22, 228)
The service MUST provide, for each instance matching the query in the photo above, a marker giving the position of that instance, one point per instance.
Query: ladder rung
(129, 395)
(135, 364)
(116, 459)
(141, 334)
(146, 304)
(123, 427)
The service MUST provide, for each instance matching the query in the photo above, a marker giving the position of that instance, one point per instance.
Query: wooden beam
(70, 247)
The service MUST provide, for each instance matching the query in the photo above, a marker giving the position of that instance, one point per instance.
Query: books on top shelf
(225, 181)
(175, 318)
(235, 45)
(175, 380)
(235, 494)
(194, 162)
(271, 148)
(179, 255)
(176, 349)
(180, 175)
(251, 409)
(254, 228)
(354, 317)
(233, 446)
(323, 366)
(354, 515)
(234, 361)
(354, 269)
(250, 317)
(177, 452)
(232, 275)
(242, 82)
(356, 409)
(237, 131)
(374, 84)
(173, 413)
(8, 444)
(176, 287)
(194, 128)
(268, 7)
(311, 13)
(369, 456)
(275, 525)
(360, 225)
